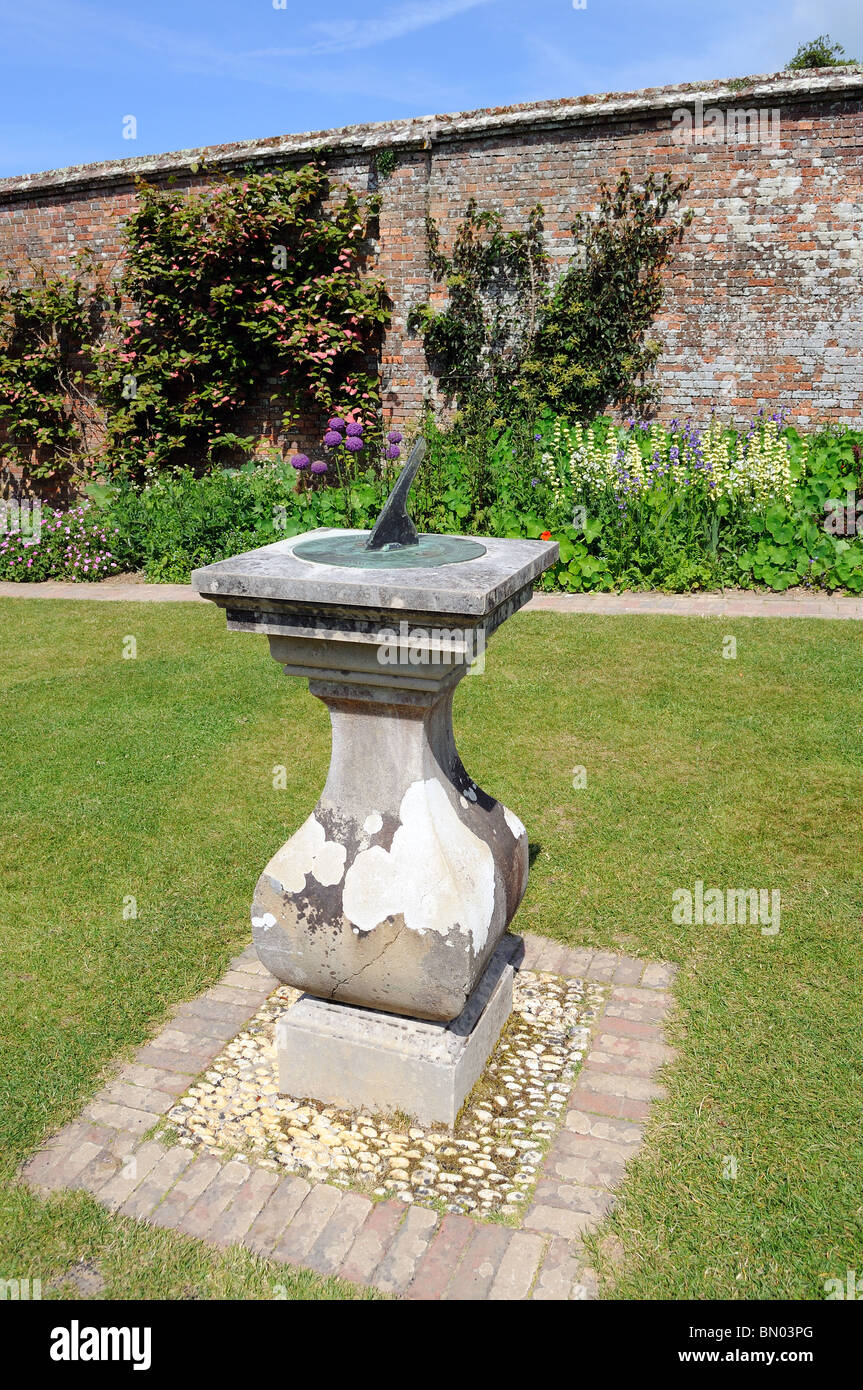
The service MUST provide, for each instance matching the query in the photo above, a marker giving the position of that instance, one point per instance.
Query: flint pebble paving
(487, 1165)
(194, 1136)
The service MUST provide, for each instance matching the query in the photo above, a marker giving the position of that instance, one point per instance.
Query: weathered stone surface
(559, 1221)
(160, 1179)
(578, 964)
(147, 1098)
(628, 971)
(379, 1062)
(441, 1258)
(517, 1268)
(658, 976)
(332, 1245)
(255, 983)
(594, 1201)
(614, 1106)
(471, 588)
(267, 1228)
(169, 1059)
(602, 966)
(104, 1167)
(233, 1223)
(202, 1215)
(631, 1028)
(194, 1045)
(124, 1117)
(559, 1272)
(193, 1182)
(48, 1171)
(230, 1015)
(155, 1079)
(397, 889)
(309, 1222)
(621, 1083)
(133, 1171)
(479, 1265)
(398, 1267)
(374, 1239)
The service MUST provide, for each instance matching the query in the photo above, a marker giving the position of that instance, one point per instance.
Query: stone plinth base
(382, 1062)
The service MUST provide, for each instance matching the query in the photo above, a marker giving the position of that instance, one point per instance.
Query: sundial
(394, 542)
(389, 906)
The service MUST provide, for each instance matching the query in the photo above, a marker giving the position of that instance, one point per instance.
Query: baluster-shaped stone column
(397, 891)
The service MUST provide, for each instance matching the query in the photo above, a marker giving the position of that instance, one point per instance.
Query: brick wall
(764, 301)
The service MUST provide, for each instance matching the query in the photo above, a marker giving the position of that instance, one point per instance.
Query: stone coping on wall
(403, 1249)
(424, 132)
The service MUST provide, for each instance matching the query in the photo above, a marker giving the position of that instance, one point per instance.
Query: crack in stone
(343, 983)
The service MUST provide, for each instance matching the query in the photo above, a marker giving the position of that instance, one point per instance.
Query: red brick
(372, 1242)
(436, 1267)
(480, 1263)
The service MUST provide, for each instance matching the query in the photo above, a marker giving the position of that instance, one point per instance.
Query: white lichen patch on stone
(267, 921)
(437, 874)
(373, 823)
(488, 1165)
(307, 852)
(514, 823)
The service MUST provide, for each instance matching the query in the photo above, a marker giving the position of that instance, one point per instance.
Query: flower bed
(638, 505)
(77, 544)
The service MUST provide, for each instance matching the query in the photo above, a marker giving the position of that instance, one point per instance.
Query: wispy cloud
(349, 35)
(94, 36)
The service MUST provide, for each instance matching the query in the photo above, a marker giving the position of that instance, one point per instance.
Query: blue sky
(220, 70)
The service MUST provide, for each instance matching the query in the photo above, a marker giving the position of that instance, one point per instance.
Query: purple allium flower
(392, 451)
(300, 461)
(354, 443)
(337, 423)
(332, 438)
(319, 466)
(395, 436)
(354, 428)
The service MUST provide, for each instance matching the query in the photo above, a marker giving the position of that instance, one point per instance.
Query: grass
(152, 778)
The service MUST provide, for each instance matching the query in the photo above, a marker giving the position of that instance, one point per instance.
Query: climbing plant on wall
(47, 416)
(580, 346)
(495, 282)
(592, 348)
(254, 287)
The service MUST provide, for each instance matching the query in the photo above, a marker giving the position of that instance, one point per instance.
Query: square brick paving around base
(403, 1249)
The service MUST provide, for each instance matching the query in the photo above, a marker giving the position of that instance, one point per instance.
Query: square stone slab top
(473, 588)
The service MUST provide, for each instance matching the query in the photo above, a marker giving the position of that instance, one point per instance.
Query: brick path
(732, 604)
(404, 1250)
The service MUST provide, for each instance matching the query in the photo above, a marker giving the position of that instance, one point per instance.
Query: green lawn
(153, 778)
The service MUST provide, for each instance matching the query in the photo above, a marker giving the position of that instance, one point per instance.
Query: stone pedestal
(383, 1062)
(396, 891)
